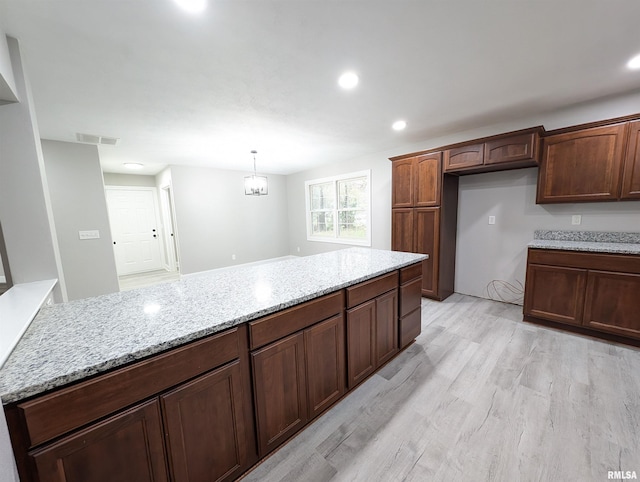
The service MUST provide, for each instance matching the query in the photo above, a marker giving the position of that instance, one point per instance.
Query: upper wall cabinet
(417, 181)
(631, 175)
(585, 164)
(497, 153)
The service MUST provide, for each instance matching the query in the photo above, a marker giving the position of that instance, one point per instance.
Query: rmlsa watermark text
(622, 475)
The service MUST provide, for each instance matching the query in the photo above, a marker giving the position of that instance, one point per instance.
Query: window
(338, 209)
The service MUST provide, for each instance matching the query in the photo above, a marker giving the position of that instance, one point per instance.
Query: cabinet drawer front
(127, 446)
(410, 296)
(52, 415)
(554, 293)
(410, 272)
(463, 157)
(613, 303)
(370, 289)
(625, 263)
(410, 327)
(284, 323)
(511, 149)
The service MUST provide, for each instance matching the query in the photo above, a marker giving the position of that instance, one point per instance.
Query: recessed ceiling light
(134, 166)
(348, 80)
(634, 63)
(192, 6)
(399, 125)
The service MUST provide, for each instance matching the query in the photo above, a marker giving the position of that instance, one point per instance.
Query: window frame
(336, 209)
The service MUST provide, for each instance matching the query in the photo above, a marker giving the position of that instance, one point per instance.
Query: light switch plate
(492, 220)
(92, 234)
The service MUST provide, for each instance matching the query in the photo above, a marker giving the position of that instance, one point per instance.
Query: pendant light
(255, 185)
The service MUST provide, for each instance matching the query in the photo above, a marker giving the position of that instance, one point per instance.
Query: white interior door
(134, 227)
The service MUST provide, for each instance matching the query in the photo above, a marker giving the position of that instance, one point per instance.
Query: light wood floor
(140, 280)
(479, 396)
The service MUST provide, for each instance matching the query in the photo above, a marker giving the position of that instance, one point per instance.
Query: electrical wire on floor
(500, 290)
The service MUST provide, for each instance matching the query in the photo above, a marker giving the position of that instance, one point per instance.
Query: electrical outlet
(298, 249)
(492, 220)
(233, 257)
(576, 219)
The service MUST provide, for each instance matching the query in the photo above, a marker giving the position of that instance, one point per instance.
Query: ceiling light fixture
(634, 63)
(348, 80)
(255, 185)
(134, 166)
(399, 125)
(192, 6)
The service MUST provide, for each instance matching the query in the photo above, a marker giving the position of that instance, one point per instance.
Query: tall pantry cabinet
(424, 213)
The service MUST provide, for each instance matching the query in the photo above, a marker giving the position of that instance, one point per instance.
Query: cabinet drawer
(370, 289)
(624, 263)
(410, 327)
(52, 415)
(410, 296)
(276, 326)
(410, 272)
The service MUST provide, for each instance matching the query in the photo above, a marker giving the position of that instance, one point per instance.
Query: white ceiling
(206, 89)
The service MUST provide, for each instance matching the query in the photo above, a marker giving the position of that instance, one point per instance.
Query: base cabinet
(126, 447)
(599, 292)
(205, 427)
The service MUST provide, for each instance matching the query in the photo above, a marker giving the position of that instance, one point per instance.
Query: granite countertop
(70, 341)
(592, 241)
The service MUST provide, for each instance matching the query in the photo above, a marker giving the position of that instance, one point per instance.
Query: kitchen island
(206, 375)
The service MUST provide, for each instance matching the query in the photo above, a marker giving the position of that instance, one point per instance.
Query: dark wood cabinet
(555, 293)
(631, 174)
(598, 292)
(427, 222)
(386, 327)
(428, 179)
(126, 447)
(582, 165)
(325, 363)
(511, 150)
(613, 302)
(361, 342)
(402, 230)
(206, 433)
(280, 391)
(403, 175)
(409, 304)
(463, 157)
(417, 181)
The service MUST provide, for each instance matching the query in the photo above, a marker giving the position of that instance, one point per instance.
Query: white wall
(8, 91)
(25, 210)
(79, 204)
(215, 219)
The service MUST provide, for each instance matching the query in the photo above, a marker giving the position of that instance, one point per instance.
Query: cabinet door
(555, 293)
(386, 326)
(361, 342)
(126, 447)
(582, 166)
(280, 391)
(402, 230)
(205, 428)
(427, 234)
(428, 175)
(402, 183)
(511, 149)
(325, 351)
(463, 157)
(631, 178)
(613, 303)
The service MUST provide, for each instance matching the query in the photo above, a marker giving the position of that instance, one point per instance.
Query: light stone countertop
(70, 341)
(591, 241)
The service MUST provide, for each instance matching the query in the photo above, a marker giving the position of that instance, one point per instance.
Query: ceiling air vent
(93, 139)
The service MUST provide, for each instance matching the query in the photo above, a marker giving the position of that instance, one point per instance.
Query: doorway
(134, 220)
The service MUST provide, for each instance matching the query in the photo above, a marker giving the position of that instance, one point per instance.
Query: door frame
(169, 225)
(156, 208)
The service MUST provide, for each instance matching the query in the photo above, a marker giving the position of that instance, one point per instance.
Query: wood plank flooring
(480, 396)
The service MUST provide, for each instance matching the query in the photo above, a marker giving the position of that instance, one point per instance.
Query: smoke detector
(97, 140)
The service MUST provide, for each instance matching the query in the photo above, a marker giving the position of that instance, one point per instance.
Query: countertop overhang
(71, 341)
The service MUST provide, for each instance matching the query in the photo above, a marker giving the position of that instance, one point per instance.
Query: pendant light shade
(255, 185)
